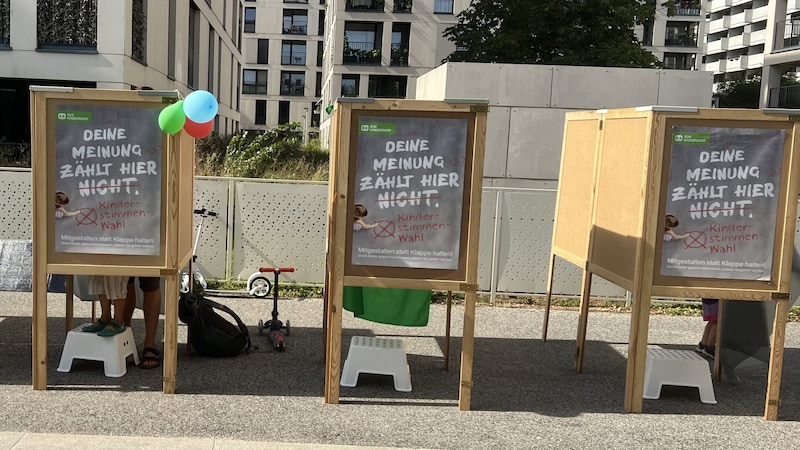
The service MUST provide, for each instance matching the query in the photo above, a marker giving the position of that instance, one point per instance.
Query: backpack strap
(239, 322)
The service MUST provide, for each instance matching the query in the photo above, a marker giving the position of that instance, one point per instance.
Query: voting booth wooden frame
(413, 161)
(130, 190)
(730, 177)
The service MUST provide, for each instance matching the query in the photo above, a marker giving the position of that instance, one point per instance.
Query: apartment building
(118, 44)
(282, 45)
(676, 39)
(378, 48)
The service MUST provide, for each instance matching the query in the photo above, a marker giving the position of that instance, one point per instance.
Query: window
(294, 53)
(193, 57)
(261, 112)
(320, 53)
(402, 6)
(400, 33)
(384, 86)
(172, 17)
(249, 20)
(293, 83)
(362, 43)
(681, 61)
(321, 23)
(283, 112)
(67, 24)
(318, 86)
(295, 1)
(350, 85)
(295, 21)
(263, 51)
(254, 81)
(364, 5)
(5, 23)
(681, 34)
(443, 6)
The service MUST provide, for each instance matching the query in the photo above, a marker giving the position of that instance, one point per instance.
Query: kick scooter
(186, 275)
(277, 330)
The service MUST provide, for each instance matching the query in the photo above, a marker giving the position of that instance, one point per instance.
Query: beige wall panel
(534, 143)
(604, 87)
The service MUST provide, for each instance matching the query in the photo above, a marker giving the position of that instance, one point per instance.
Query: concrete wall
(528, 103)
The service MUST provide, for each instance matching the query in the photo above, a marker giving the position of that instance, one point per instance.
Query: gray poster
(722, 203)
(410, 181)
(108, 180)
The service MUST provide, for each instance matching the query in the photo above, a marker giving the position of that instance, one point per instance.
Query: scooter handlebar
(276, 269)
(205, 212)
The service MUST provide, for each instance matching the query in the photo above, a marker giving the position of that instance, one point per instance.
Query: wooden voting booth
(418, 168)
(130, 189)
(731, 179)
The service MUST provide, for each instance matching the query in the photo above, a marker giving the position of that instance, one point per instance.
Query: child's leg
(105, 308)
(119, 310)
(712, 334)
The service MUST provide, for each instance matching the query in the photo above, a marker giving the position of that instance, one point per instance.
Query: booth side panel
(619, 197)
(573, 206)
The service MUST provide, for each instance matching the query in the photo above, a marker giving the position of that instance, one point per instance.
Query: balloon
(200, 106)
(198, 130)
(171, 118)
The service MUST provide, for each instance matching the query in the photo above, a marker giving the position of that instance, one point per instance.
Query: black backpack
(210, 334)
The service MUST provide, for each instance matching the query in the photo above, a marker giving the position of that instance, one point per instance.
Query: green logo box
(691, 138)
(74, 116)
(376, 128)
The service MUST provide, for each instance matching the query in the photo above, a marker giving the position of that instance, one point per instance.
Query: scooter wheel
(260, 287)
(288, 328)
(260, 327)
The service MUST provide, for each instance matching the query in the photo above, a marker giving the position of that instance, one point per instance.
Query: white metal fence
(282, 223)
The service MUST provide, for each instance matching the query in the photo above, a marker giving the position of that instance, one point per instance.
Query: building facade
(182, 45)
(676, 37)
(378, 48)
(283, 62)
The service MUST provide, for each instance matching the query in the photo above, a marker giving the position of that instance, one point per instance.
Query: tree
(564, 32)
(745, 91)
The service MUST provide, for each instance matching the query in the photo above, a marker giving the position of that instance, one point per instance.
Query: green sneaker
(95, 327)
(111, 329)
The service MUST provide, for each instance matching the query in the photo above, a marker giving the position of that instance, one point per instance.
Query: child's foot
(709, 350)
(700, 347)
(98, 325)
(112, 328)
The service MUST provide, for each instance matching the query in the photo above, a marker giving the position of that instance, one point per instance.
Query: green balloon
(172, 118)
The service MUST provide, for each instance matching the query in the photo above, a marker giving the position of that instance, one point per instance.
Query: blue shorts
(710, 309)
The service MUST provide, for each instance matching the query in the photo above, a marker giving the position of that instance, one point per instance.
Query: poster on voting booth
(107, 197)
(722, 201)
(410, 183)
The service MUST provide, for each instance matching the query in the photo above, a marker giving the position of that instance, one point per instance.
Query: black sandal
(153, 357)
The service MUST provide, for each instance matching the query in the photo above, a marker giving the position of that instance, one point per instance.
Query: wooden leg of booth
(583, 320)
(716, 373)
(637, 347)
(70, 314)
(39, 319)
(170, 357)
(447, 332)
(548, 297)
(333, 344)
(467, 349)
(776, 360)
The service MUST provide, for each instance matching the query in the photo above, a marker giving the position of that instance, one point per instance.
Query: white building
(677, 39)
(118, 44)
(377, 48)
(283, 58)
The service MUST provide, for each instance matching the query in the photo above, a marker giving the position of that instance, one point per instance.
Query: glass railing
(361, 53)
(364, 5)
(784, 97)
(787, 34)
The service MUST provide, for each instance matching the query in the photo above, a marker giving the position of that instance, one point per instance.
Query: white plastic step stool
(677, 368)
(380, 356)
(112, 350)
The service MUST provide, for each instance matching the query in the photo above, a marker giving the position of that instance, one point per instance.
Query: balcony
(718, 46)
(295, 29)
(688, 8)
(364, 5)
(787, 34)
(681, 40)
(717, 66)
(721, 24)
(365, 53)
(718, 5)
(784, 97)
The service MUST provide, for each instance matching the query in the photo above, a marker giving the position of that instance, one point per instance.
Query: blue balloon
(200, 106)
